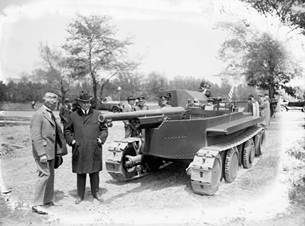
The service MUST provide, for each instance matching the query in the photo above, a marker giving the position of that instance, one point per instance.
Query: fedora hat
(141, 98)
(163, 97)
(84, 97)
(131, 98)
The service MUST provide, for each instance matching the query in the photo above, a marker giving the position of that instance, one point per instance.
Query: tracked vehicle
(214, 140)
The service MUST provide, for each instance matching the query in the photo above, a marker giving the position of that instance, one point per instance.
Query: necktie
(57, 139)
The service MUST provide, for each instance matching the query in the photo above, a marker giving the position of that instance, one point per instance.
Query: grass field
(7, 106)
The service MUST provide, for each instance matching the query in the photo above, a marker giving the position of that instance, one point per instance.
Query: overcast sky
(173, 37)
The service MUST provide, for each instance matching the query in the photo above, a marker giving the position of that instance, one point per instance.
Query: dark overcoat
(85, 129)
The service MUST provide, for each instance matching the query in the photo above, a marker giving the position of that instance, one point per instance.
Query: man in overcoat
(48, 145)
(86, 136)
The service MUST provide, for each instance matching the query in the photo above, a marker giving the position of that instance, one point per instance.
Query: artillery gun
(214, 142)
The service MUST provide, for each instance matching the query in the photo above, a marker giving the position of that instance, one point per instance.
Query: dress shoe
(6, 191)
(39, 210)
(78, 200)
(98, 197)
(52, 204)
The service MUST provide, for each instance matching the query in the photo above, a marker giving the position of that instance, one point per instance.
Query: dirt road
(270, 193)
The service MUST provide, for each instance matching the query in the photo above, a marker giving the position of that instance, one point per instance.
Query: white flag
(230, 94)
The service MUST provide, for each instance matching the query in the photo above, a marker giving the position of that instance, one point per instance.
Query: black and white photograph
(152, 112)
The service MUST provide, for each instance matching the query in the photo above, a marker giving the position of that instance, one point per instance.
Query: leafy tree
(3, 91)
(184, 82)
(130, 83)
(92, 49)
(289, 11)
(258, 58)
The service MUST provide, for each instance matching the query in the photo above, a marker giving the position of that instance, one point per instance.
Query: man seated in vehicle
(130, 129)
(163, 102)
(140, 104)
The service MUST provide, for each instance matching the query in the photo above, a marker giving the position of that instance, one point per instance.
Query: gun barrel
(136, 114)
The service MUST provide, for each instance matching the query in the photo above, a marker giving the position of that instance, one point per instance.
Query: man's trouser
(94, 183)
(44, 188)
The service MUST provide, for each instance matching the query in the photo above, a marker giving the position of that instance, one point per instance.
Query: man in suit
(86, 136)
(48, 144)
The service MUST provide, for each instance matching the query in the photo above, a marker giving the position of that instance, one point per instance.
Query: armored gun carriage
(214, 142)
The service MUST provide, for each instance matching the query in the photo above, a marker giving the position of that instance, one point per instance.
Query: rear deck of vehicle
(182, 138)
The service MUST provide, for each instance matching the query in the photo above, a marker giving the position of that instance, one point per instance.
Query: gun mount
(215, 142)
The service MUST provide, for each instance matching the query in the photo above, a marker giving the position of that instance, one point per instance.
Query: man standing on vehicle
(48, 146)
(263, 110)
(253, 106)
(86, 136)
(268, 111)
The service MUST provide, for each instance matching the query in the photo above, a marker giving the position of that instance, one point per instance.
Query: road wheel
(231, 165)
(257, 143)
(248, 154)
(212, 187)
(115, 109)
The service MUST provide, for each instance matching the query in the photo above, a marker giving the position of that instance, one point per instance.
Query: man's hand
(99, 141)
(74, 144)
(43, 159)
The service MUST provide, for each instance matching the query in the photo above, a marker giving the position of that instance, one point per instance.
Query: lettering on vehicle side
(174, 137)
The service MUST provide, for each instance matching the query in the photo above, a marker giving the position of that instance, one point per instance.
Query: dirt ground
(272, 192)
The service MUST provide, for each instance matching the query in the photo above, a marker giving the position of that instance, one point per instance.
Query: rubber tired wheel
(248, 154)
(257, 143)
(115, 109)
(212, 188)
(231, 165)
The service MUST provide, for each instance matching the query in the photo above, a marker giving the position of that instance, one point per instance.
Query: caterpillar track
(221, 161)
(216, 142)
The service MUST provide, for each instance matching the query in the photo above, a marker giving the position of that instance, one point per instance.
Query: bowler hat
(84, 97)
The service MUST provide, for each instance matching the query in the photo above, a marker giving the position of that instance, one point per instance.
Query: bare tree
(53, 70)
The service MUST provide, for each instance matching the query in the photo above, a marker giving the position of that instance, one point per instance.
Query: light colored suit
(43, 136)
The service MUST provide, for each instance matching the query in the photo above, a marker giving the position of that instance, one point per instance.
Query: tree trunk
(94, 86)
(62, 90)
(271, 91)
(102, 88)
